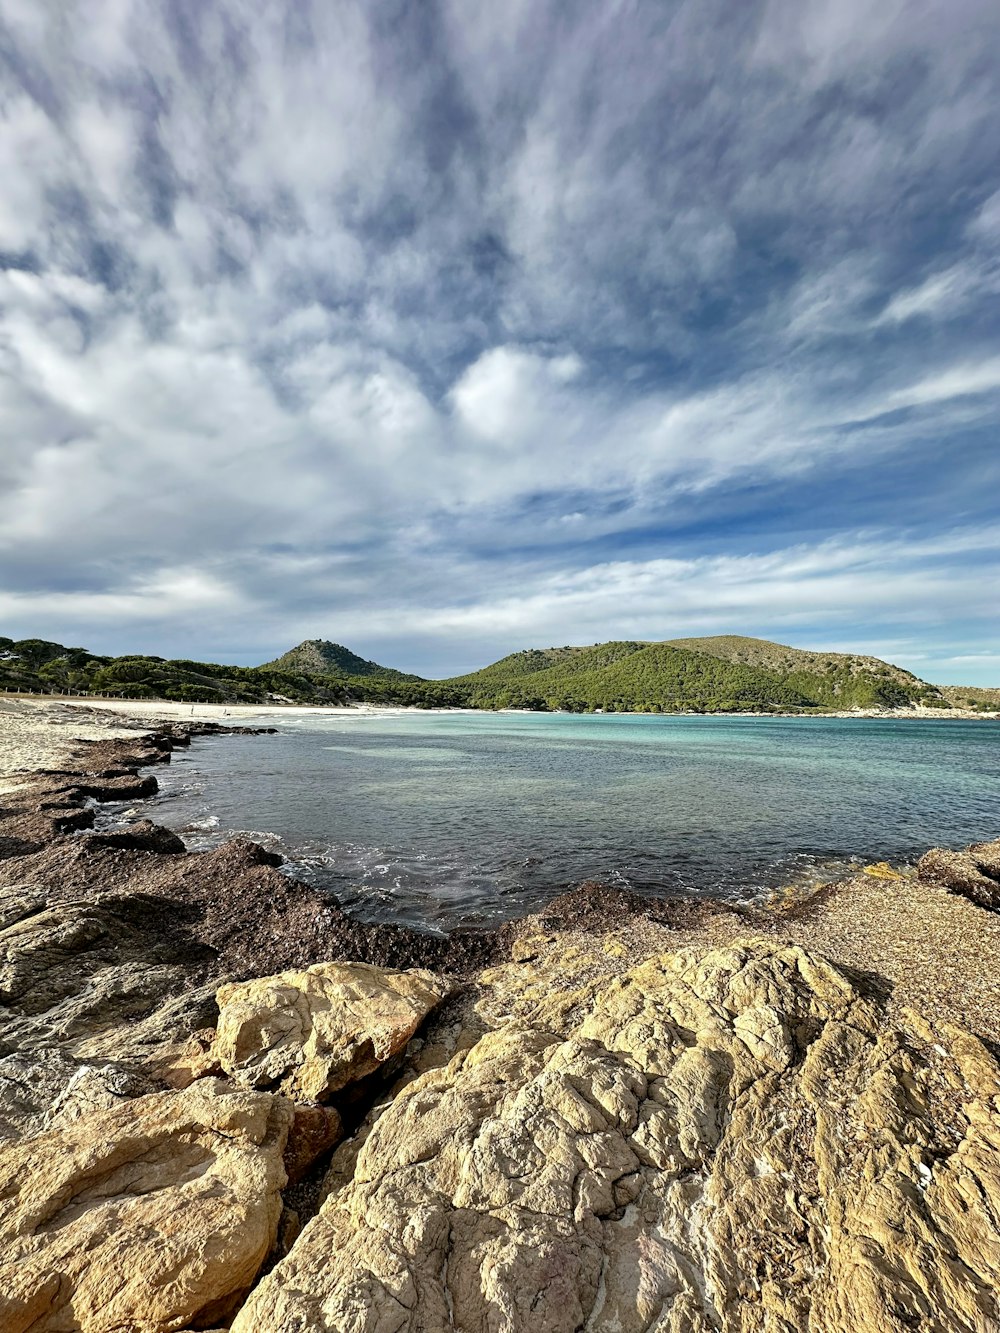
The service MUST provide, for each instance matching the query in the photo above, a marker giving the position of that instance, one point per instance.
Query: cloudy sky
(442, 328)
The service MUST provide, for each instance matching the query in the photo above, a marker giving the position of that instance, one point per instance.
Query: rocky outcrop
(974, 873)
(728, 1140)
(148, 1217)
(310, 1033)
(726, 1137)
(100, 984)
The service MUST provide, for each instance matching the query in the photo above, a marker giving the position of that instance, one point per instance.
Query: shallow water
(441, 819)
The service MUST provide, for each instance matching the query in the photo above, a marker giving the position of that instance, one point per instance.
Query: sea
(465, 818)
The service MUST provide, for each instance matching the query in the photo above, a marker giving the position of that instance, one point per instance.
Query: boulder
(312, 1032)
(733, 1140)
(148, 1216)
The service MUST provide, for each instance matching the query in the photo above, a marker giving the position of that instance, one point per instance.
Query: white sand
(39, 734)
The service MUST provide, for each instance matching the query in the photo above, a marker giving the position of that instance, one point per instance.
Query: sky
(444, 328)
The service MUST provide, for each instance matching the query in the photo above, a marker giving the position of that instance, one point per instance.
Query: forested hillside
(320, 657)
(661, 677)
(725, 674)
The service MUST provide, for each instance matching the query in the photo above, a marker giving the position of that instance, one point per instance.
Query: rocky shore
(224, 1104)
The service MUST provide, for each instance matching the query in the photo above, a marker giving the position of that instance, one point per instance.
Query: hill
(320, 657)
(39, 665)
(43, 666)
(627, 677)
(727, 673)
(720, 674)
(780, 657)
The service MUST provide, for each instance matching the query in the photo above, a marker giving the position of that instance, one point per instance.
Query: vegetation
(320, 657)
(723, 674)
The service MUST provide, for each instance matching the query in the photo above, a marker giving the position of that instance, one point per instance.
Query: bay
(440, 819)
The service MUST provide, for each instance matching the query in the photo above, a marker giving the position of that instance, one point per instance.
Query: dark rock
(141, 836)
(973, 873)
(314, 1132)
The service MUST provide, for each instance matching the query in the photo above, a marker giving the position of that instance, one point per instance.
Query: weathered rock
(72, 972)
(142, 835)
(974, 873)
(735, 1141)
(145, 1217)
(104, 986)
(314, 1031)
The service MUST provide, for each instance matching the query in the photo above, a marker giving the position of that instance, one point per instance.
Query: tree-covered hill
(320, 657)
(38, 665)
(741, 674)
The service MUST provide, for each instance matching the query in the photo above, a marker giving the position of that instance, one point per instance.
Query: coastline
(907, 929)
(165, 709)
(837, 1047)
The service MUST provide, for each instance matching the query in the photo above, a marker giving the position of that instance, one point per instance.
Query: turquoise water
(437, 819)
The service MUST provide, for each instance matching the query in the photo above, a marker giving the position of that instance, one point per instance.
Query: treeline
(36, 664)
(620, 677)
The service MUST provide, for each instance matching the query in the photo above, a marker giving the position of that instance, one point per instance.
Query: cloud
(322, 304)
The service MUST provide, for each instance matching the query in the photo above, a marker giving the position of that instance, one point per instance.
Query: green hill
(727, 673)
(38, 665)
(627, 677)
(724, 674)
(320, 657)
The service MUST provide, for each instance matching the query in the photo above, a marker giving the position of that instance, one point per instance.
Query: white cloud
(300, 292)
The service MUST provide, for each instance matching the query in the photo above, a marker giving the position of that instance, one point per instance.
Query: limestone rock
(312, 1032)
(148, 1216)
(974, 873)
(727, 1141)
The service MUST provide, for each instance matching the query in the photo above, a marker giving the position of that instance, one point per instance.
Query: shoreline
(844, 916)
(201, 1056)
(168, 708)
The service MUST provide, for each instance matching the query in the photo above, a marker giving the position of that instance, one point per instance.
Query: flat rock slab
(310, 1033)
(146, 1217)
(733, 1140)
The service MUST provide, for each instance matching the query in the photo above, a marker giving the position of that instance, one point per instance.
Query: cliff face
(617, 1116)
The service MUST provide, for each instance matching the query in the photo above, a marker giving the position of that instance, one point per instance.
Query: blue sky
(445, 328)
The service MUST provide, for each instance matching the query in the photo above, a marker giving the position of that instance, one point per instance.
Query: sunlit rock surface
(145, 1217)
(312, 1032)
(732, 1139)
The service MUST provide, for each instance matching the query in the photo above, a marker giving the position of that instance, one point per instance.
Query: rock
(974, 873)
(104, 985)
(145, 1217)
(312, 1032)
(314, 1131)
(140, 836)
(734, 1140)
(74, 972)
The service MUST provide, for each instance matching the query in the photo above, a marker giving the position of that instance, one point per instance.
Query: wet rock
(145, 1217)
(312, 1032)
(140, 836)
(735, 1140)
(974, 873)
